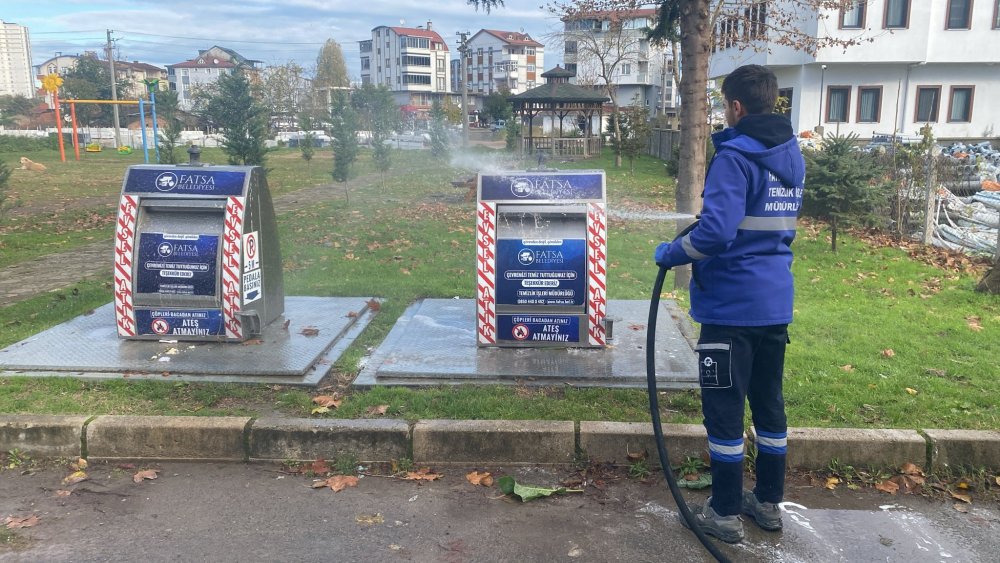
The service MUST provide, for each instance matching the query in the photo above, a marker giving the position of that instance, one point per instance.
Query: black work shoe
(767, 515)
(727, 528)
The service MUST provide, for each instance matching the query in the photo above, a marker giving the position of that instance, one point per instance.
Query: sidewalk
(461, 441)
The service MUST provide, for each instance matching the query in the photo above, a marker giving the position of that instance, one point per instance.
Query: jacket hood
(767, 140)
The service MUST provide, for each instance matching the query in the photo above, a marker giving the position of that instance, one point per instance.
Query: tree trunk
(696, 40)
(833, 236)
(991, 281)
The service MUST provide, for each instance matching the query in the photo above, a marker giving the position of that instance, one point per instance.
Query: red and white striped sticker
(124, 254)
(486, 246)
(232, 241)
(597, 264)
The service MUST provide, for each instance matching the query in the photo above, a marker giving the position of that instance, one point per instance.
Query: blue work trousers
(736, 363)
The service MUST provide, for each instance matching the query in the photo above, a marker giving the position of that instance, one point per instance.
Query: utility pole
(109, 49)
(463, 49)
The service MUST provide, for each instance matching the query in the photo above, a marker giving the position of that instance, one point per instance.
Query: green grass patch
(414, 238)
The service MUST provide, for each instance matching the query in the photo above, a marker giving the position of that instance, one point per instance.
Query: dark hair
(754, 86)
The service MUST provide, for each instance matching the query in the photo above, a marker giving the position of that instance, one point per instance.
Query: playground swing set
(52, 82)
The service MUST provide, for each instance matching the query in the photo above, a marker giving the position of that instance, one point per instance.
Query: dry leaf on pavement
(79, 464)
(831, 483)
(141, 476)
(911, 469)
(964, 498)
(63, 493)
(318, 467)
(309, 331)
(370, 519)
(423, 474)
(477, 478)
(887, 487)
(13, 523)
(960, 507)
(75, 477)
(340, 482)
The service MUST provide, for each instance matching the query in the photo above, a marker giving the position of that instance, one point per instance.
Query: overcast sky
(163, 32)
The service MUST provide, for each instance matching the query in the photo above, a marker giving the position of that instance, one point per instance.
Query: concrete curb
(163, 438)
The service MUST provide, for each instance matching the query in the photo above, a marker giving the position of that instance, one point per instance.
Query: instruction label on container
(538, 328)
(541, 272)
(177, 264)
(180, 322)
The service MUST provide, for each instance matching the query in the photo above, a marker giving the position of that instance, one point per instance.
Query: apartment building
(497, 59)
(135, 74)
(412, 62)
(602, 43)
(928, 62)
(16, 77)
(187, 77)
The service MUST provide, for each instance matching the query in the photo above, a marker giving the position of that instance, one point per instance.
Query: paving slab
(304, 439)
(88, 346)
(175, 438)
(612, 442)
(434, 343)
(42, 435)
(973, 448)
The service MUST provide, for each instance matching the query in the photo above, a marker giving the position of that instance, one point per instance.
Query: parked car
(498, 125)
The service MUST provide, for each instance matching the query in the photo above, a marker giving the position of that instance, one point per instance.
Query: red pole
(76, 139)
(62, 149)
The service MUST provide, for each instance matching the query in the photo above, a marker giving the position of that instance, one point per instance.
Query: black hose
(654, 413)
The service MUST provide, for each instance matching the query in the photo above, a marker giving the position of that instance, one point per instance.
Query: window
(756, 16)
(838, 98)
(869, 104)
(530, 51)
(411, 60)
(365, 63)
(960, 104)
(784, 105)
(959, 14)
(897, 14)
(928, 100)
(853, 17)
(571, 47)
(440, 83)
(626, 68)
(422, 79)
(996, 14)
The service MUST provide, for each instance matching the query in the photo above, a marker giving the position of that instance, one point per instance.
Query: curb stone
(304, 439)
(611, 442)
(494, 441)
(42, 435)
(975, 448)
(167, 438)
(459, 441)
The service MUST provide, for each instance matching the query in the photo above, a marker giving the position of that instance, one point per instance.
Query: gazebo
(558, 99)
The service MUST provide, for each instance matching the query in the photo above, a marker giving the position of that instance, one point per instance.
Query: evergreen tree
(439, 133)
(380, 115)
(496, 107)
(170, 134)
(843, 185)
(307, 144)
(345, 138)
(242, 120)
(4, 177)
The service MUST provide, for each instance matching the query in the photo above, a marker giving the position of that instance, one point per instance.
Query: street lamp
(822, 80)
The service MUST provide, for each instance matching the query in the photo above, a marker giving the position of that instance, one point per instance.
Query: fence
(662, 143)
(577, 147)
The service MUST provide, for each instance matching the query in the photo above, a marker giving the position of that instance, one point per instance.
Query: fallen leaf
(309, 331)
(369, 519)
(63, 493)
(887, 487)
(997, 479)
(328, 401)
(285, 324)
(75, 477)
(831, 483)
(377, 410)
(963, 485)
(141, 476)
(910, 469)
(477, 478)
(961, 508)
(352, 315)
(974, 323)
(422, 474)
(911, 391)
(340, 482)
(252, 342)
(847, 367)
(964, 498)
(81, 463)
(318, 467)
(320, 410)
(888, 353)
(374, 305)
(14, 523)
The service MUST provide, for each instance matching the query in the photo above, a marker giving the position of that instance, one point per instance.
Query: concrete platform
(88, 347)
(434, 343)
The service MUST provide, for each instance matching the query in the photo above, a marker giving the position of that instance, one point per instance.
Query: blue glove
(662, 255)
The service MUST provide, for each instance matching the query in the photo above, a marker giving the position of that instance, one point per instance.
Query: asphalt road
(237, 512)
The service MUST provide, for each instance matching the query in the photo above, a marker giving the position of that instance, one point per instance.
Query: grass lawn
(880, 339)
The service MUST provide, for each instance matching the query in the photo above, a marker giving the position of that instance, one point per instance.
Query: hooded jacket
(741, 247)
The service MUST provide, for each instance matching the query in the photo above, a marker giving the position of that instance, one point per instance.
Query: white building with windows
(639, 69)
(16, 76)
(503, 58)
(412, 62)
(187, 77)
(928, 62)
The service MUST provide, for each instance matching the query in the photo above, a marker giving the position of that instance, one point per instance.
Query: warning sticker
(179, 322)
(251, 251)
(539, 328)
(251, 286)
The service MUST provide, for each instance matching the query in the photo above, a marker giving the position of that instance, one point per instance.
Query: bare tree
(282, 90)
